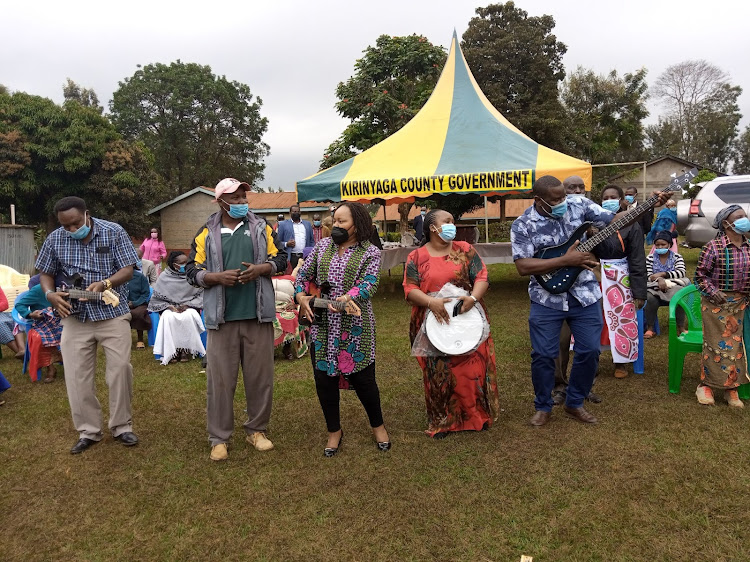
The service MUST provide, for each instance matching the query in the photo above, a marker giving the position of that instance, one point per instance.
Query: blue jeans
(544, 328)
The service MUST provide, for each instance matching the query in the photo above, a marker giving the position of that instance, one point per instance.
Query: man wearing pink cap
(232, 258)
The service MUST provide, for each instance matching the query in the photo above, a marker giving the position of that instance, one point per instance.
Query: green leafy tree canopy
(200, 127)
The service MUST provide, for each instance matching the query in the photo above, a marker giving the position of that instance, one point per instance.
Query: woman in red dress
(460, 390)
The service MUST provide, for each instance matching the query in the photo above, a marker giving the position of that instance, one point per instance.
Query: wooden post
(502, 208)
(486, 223)
(644, 182)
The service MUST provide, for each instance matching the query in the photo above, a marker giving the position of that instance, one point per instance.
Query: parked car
(695, 217)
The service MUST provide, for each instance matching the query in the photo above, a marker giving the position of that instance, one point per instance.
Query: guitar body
(318, 292)
(560, 280)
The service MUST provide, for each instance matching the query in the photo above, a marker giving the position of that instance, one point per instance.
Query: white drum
(461, 335)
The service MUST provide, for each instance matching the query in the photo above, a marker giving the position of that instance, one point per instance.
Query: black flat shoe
(82, 444)
(383, 446)
(441, 435)
(331, 451)
(128, 439)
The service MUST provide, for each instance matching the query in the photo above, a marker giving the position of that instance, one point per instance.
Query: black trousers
(293, 259)
(364, 385)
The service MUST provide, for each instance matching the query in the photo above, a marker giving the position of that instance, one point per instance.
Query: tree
(742, 153)
(391, 83)
(517, 62)
(702, 113)
(48, 151)
(199, 127)
(85, 96)
(605, 115)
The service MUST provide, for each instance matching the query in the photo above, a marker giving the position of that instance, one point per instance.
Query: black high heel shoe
(384, 445)
(331, 451)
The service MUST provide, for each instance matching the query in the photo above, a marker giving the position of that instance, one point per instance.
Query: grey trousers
(78, 345)
(246, 343)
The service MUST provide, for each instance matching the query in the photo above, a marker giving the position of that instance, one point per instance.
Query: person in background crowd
(13, 341)
(147, 267)
(574, 185)
(624, 274)
(418, 224)
(319, 230)
(343, 350)
(279, 220)
(153, 249)
(666, 277)
(295, 235)
(723, 278)
(86, 324)
(139, 292)
(460, 390)
(33, 305)
(666, 220)
(647, 218)
(178, 303)
(233, 258)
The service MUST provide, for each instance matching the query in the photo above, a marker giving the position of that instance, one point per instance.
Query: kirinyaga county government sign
(424, 185)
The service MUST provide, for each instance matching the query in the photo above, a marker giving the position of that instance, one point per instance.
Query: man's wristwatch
(107, 284)
(47, 292)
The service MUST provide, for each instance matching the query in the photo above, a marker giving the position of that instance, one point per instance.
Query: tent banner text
(423, 186)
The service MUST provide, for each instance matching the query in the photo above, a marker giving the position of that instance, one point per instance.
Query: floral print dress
(343, 344)
(460, 390)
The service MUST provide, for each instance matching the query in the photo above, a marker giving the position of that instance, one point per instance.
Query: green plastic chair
(691, 341)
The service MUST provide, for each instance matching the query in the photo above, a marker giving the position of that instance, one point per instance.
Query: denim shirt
(532, 232)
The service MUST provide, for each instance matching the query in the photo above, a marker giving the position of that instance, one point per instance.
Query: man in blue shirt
(550, 221)
(295, 235)
(101, 254)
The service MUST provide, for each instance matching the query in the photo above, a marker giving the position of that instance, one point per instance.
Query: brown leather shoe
(540, 418)
(580, 414)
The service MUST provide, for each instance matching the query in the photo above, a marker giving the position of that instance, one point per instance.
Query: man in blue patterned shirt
(101, 254)
(549, 222)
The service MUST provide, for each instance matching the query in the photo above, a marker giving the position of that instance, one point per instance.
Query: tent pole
(486, 223)
(385, 221)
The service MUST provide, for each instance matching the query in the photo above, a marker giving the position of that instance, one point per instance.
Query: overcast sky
(293, 53)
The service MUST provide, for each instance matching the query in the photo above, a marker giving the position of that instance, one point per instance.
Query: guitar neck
(323, 303)
(78, 294)
(633, 214)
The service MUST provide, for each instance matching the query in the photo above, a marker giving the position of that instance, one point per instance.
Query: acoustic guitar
(561, 280)
(71, 285)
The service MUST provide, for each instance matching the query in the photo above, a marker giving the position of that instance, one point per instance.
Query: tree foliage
(702, 118)
(200, 127)
(48, 151)
(517, 62)
(742, 153)
(605, 115)
(85, 96)
(390, 84)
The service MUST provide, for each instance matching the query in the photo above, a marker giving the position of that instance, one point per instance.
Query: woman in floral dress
(343, 345)
(460, 390)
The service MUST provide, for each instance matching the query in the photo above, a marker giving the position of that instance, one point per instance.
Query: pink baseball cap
(229, 185)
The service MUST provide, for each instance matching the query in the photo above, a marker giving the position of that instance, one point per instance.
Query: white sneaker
(733, 399)
(259, 441)
(705, 395)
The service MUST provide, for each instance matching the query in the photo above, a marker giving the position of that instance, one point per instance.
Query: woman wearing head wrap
(666, 277)
(178, 303)
(723, 277)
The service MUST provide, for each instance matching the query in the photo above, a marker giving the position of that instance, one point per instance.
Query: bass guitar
(320, 301)
(561, 280)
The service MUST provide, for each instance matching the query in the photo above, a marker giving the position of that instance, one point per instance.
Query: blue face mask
(238, 211)
(82, 232)
(447, 232)
(611, 205)
(630, 198)
(316, 223)
(741, 226)
(423, 213)
(557, 211)
(661, 251)
(181, 269)
(575, 198)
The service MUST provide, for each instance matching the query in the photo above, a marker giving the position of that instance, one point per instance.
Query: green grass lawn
(660, 477)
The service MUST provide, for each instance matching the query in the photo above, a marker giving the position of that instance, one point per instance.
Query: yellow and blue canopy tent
(457, 143)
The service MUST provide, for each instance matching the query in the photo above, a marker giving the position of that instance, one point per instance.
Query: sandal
(648, 334)
(140, 345)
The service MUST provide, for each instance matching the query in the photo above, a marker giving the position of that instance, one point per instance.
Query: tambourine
(461, 335)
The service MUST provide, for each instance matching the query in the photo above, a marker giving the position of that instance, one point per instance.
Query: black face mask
(339, 235)
(296, 216)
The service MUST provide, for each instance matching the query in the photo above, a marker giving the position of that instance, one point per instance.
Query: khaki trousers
(78, 345)
(248, 343)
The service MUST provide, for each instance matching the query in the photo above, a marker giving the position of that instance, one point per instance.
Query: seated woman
(139, 292)
(34, 306)
(623, 283)
(177, 302)
(7, 337)
(460, 390)
(666, 277)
